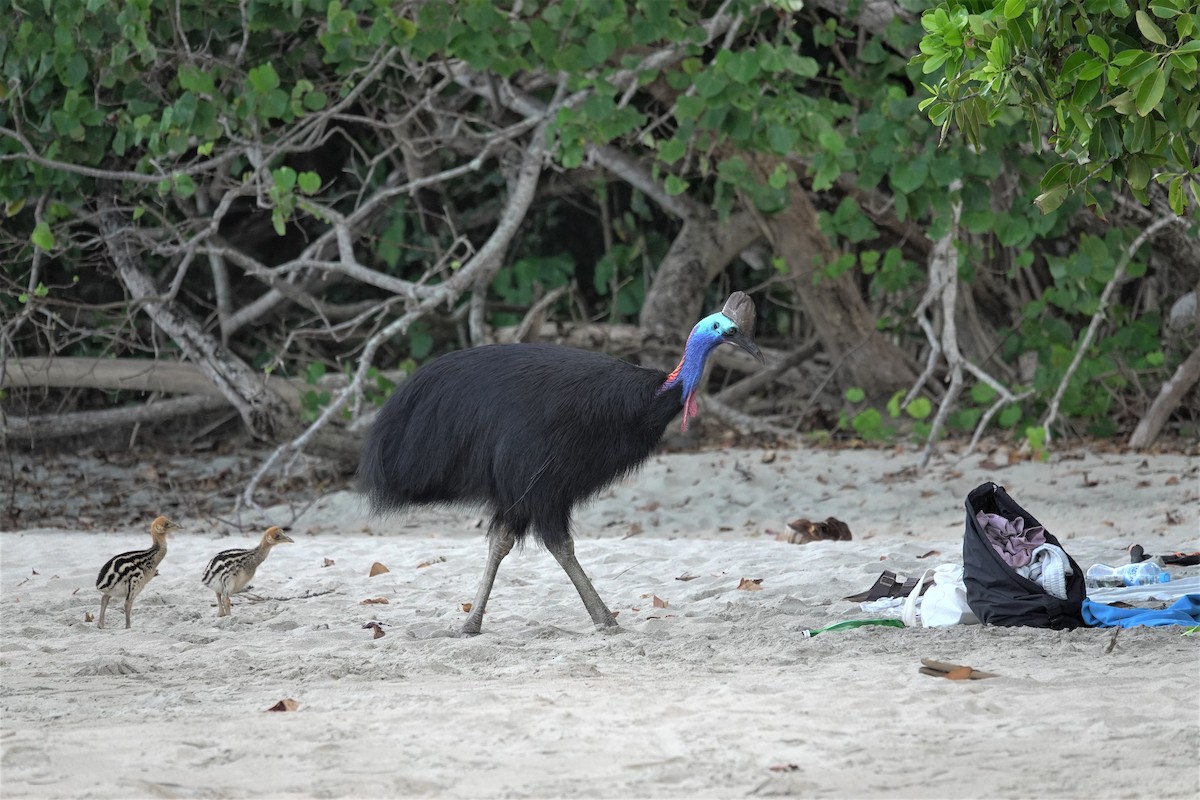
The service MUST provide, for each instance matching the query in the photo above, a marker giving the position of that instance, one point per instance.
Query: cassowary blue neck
(700, 344)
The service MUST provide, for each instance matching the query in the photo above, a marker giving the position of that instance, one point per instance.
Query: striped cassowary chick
(124, 576)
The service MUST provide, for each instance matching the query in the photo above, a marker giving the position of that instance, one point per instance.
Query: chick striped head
(274, 536)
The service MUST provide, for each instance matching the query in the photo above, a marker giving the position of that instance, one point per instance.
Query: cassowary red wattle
(529, 431)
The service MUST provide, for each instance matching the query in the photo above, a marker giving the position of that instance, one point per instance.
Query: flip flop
(887, 585)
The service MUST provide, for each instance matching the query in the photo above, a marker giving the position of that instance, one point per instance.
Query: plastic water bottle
(1141, 574)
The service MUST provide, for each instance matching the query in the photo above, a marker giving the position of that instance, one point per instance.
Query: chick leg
(500, 544)
(128, 611)
(103, 606)
(564, 554)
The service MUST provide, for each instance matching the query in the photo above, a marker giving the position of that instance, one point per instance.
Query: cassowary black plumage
(528, 431)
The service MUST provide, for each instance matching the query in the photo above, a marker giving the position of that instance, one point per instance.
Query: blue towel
(1184, 611)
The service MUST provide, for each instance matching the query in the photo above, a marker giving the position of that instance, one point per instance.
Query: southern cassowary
(528, 431)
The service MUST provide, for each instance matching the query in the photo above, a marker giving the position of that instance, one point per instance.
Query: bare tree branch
(486, 259)
(1098, 317)
(260, 408)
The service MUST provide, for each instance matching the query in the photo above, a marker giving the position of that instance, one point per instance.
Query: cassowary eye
(716, 325)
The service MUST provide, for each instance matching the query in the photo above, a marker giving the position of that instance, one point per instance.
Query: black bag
(997, 594)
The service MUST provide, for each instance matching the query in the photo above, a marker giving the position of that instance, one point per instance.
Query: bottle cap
(1164, 577)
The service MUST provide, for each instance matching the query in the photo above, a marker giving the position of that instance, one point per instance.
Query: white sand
(700, 698)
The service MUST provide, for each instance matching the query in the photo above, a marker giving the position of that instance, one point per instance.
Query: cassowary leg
(500, 544)
(564, 554)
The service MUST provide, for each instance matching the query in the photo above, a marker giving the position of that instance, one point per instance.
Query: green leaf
(310, 182)
(910, 174)
(194, 79)
(919, 408)
(184, 185)
(672, 150)
(1051, 199)
(1155, 359)
(981, 393)
(263, 78)
(1137, 172)
(76, 70)
(1148, 28)
(42, 238)
(1151, 92)
(1175, 197)
(855, 395)
(1014, 8)
(1009, 416)
(1098, 45)
(314, 372)
(315, 101)
(676, 185)
(285, 179)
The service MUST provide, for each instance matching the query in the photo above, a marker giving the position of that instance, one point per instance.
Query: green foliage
(191, 101)
(871, 424)
(1112, 86)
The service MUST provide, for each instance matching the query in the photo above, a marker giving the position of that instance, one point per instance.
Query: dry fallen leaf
(374, 601)
(659, 602)
(438, 560)
(959, 674)
(686, 577)
(750, 584)
(930, 553)
(328, 562)
(87, 616)
(377, 628)
(784, 768)
(287, 704)
(466, 607)
(1171, 481)
(378, 569)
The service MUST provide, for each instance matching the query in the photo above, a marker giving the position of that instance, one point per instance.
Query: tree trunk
(1169, 398)
(703, 248)
(839, 314)
(265, 414)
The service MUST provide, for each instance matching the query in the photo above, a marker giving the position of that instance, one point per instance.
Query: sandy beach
(708, 690)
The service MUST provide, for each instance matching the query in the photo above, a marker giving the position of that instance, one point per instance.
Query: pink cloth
(1014, 544)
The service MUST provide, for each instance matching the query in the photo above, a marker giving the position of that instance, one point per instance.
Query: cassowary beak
(739, 308)
(746, 343)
